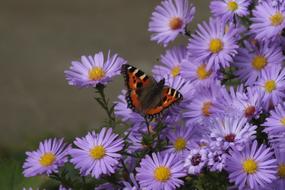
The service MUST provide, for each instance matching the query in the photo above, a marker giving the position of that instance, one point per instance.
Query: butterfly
(147, 96)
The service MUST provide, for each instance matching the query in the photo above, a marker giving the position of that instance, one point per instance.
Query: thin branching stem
(104, 102)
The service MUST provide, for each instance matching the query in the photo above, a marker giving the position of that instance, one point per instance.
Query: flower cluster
(213, 108)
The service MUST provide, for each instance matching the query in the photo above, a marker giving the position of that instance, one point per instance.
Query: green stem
(57, 177)
(103, 101)
(187, 32)
(147, 125)
(83, 179)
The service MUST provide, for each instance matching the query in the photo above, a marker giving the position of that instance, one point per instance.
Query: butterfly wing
(137, 82)
(145, 95)
(169, 97)
(134, 78)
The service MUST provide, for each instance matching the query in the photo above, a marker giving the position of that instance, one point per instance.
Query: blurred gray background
(40, 38)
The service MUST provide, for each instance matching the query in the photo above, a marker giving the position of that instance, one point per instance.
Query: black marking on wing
(171, 92)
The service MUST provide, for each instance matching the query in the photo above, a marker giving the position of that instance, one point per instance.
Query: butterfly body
(145, 95)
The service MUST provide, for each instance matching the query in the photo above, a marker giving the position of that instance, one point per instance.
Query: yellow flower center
(259, 62)
(269, 86)
(47, 159)
(202, 73)
(206, 109)
(277, 19)
(175, 23)
(97, 152)
(216, 45)
(249, 166)
(96, 73)
(180, 144)
(162, 173)
(283, 121)
(281, 170)
(232, 6)
(175, 71)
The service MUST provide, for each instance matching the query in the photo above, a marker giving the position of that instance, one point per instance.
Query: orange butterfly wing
(135, 80)
(170, 96)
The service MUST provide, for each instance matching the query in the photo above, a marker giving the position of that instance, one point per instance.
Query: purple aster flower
(133, 185)
(61, 187)
(275, 123)
(196, 72)
(279, 141)
(243, 104)
(228, 99)
(171, 62)
(97, 154)
(216, 160)
(158, 172)
(253, 59)
(272, 84)
(228, 9)
(135, 139)
(250, 106)
(268, 20)
(214, 44)
(205, 104)
(252, 168)
(180, 140)
(106, 186)
(279, 183)
(51, 154)
(94, 70)
(123, 112)
(122, 185)
(233, 132)
(170, 19)
(130, 163)
(196, 160)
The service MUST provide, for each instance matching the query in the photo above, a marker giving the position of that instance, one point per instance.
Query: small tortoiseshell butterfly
(147, 96)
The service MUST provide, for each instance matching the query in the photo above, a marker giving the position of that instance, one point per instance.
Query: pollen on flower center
(259, 62)
(47, 159)
(162, 173)
(249, 166)
(216, 45)
(230, 137)
(175, 71)
(180, 144)
(206, 109)
(227, 28)
(175, 23)
(96, 73)
(269, 86)
(249, 111)
(202, 73)
(282, 120)
(196, 159)
(97, 152)
(232, 6)
(281, 170)
(277, 19)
